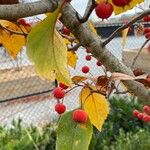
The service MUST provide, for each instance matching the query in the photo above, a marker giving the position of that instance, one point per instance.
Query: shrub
(120, 117)
(19, 138)
(132, 141)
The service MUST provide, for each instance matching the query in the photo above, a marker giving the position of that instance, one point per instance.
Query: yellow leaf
(96, 106)
(78, 79)
(119, 10)
(92, 26)
(124, 37)
(72, 59)
(46, 48)
(67, 42)
(11, 42)
(25, 29)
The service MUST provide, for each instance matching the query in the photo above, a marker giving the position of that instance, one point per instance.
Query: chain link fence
(24, 95)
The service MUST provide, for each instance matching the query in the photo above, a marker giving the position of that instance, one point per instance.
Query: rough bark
(12, 12)
(83, 33)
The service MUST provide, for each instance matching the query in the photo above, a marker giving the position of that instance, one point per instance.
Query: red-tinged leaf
(121, 76)
(138, 72)
(78, 79)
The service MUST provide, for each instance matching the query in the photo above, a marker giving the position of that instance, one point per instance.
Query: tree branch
(125, 26)
(13, 12)
(85, 36)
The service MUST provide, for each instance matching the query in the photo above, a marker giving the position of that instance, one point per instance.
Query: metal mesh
(24, 95)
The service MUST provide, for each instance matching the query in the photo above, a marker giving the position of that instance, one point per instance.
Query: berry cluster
(88, 57)
(147, 36)
(66, 31)
(146, 19)
(145, 115)
(144, 30)
(59, 93)
(147, 32)
(79, 115)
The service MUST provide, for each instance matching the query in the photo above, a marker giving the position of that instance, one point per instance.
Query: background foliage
(121, 130)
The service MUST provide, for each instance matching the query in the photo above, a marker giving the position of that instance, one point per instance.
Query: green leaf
(45, 47)
(73, 136)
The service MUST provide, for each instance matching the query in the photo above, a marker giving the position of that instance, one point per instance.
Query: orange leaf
(78, 79)
(12, 42)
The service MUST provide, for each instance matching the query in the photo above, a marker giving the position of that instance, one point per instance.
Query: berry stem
(73, 88)
(91, 74)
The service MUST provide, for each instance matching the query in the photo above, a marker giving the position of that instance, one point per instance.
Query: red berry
(148, 78)
(104, 10)
(27, 24)
(88, 50)
(121, 3)
(60, 108)
(135, 112)
(85, 69)
(146, 118)
(146, 19)
(63, 86)
(58, 93)
(80, 116)
(147, 35)
(146, 30)
(98, 63)
(88, 57)
(66, 31)
(22, 21)
(140, 116)
(146, 108)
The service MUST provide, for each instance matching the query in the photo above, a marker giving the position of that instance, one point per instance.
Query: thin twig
(125, 26)
(91, 5)
(13, 32)
(139, 52)
(69, 38)
(74, 48)
(73, 88)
